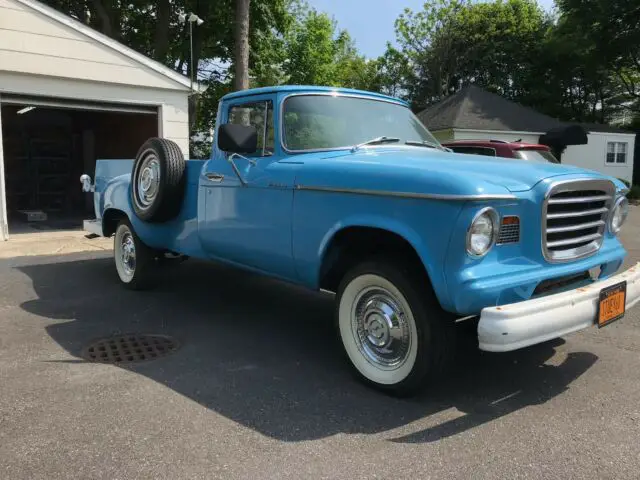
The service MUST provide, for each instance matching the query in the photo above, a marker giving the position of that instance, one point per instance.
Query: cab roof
(310, 89)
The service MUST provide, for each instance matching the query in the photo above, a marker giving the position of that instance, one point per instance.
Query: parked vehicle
(346, 191)
(499, 148)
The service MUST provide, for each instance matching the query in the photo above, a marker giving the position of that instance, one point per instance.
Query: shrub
(634, 193)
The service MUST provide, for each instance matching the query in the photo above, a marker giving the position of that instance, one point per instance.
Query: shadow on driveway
(265, 355)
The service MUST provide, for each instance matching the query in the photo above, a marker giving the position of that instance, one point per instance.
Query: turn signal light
(509, 230)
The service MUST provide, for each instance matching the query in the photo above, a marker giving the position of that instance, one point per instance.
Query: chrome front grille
(574, 217)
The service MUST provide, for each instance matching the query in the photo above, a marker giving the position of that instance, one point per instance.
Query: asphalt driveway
(258, 389)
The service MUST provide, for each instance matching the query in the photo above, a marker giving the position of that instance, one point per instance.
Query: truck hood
(434, 170)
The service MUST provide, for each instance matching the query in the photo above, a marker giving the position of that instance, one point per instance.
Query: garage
(69, 96)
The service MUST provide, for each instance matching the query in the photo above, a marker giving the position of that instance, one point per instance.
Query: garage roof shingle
(474, 108)
(477, 109)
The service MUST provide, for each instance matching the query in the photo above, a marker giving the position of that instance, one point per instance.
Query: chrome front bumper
(517, 325)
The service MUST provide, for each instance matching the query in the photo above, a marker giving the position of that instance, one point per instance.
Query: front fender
(403, 230)
(425, 224)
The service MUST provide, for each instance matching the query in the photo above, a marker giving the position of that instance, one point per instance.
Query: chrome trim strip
(599, 198)
(324, 94)
(427, 196)
(574, 240)
(573, 228)
(583, 213)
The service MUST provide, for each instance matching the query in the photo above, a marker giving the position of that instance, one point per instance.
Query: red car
(500, 148)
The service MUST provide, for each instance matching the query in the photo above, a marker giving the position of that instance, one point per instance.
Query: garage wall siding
(33, 43)
(174, 122)
(593, 155)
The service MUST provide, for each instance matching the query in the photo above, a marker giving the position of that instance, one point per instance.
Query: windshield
(314, 122)
(536, 156)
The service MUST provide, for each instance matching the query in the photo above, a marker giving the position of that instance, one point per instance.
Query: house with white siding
(70, 95)
(476, 114)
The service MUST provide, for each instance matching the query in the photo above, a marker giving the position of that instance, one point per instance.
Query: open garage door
(30, 101)
(48, 143)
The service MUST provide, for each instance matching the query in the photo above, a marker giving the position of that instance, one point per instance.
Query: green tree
(312, 48)
(394, 75)
(453, 42)
(613, 29)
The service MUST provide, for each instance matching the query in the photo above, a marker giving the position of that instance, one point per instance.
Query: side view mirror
(233, 138)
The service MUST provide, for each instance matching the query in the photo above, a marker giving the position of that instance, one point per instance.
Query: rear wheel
(393, 331)
(136, 263)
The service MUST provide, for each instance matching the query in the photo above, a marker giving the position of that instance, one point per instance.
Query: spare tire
(158, 180)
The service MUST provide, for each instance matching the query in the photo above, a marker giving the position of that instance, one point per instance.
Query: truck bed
(112, 180)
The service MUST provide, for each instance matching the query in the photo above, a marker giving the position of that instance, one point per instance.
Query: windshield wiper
(373, 141)
(423, 143)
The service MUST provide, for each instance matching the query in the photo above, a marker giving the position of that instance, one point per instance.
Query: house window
(616, 152)
(259, 115)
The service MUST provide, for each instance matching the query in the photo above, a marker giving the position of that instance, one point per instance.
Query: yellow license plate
(611, 305)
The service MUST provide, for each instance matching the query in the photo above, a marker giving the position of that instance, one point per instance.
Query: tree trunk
(105, 15)
(161, 37)
(241, 80)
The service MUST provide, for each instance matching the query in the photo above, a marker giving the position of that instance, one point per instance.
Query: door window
(259, 115)
(490, 152)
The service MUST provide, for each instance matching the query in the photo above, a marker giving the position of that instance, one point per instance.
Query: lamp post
(191, 18)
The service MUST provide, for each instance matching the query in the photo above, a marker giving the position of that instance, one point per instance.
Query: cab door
(247, 214)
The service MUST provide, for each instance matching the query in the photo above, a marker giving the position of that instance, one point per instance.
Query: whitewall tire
(393, 332)
(135, 262)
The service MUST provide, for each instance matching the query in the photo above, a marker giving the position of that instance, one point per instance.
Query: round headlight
(482, 232)
(618, 214)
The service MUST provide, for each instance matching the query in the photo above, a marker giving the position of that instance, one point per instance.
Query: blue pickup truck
(346, 191)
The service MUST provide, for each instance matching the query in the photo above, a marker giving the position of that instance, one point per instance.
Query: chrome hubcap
(128, 253)
(380, 328)
(148, 180)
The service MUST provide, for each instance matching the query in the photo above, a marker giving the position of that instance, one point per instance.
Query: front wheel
(393, 331)
(136, 263)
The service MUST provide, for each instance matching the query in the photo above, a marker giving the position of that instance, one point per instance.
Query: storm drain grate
(129, 348)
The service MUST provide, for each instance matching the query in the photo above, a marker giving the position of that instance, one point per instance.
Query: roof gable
(181, 81)
(474, 108)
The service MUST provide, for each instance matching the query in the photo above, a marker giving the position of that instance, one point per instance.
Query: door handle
(214, 177)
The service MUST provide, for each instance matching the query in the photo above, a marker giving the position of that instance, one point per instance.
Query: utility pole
(191, 19)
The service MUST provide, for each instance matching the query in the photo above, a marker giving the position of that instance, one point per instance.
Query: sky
(370, 22)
